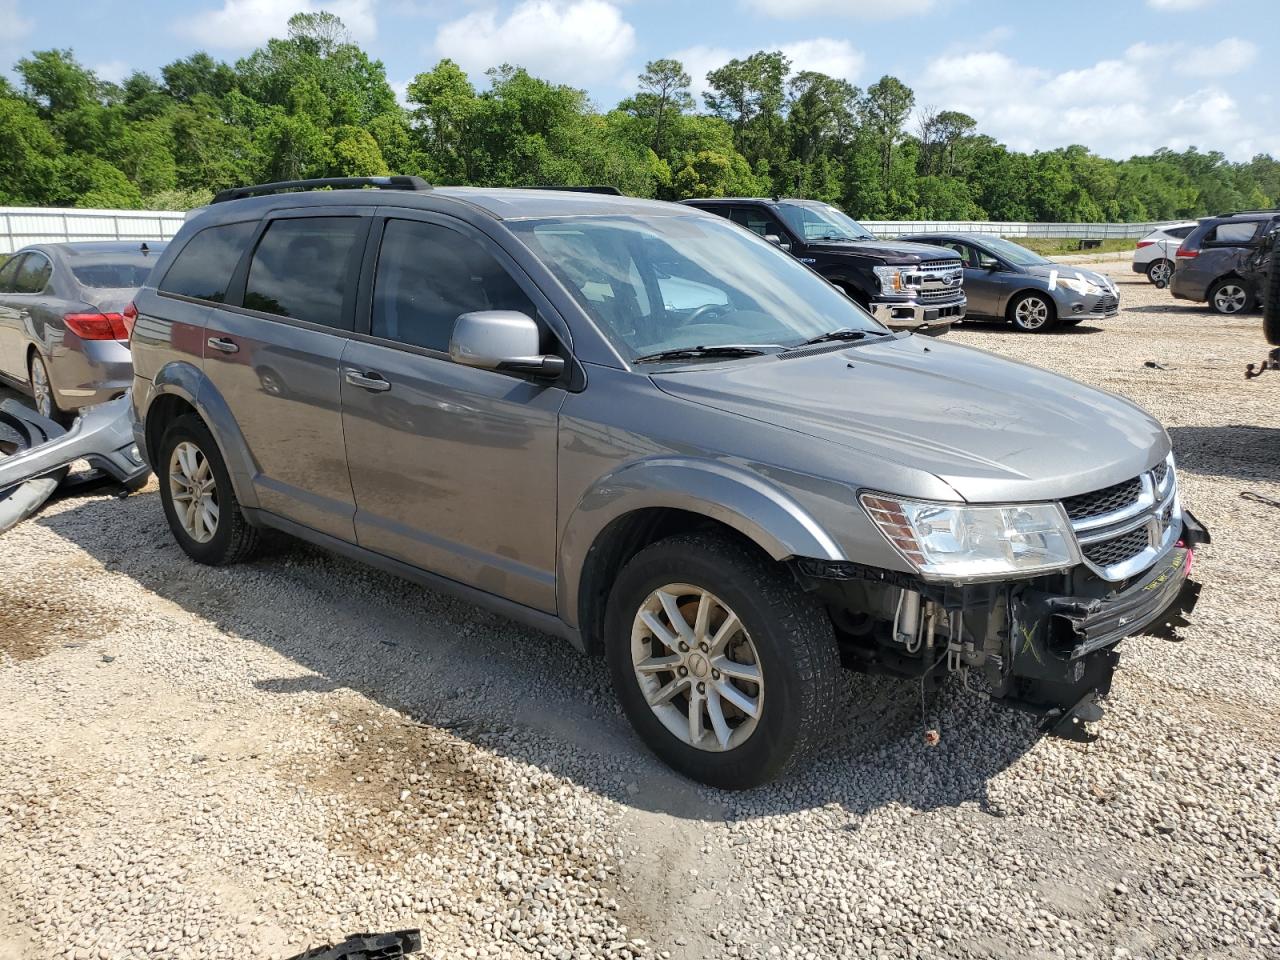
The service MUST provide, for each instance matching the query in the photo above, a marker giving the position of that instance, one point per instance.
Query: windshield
(654, 284)
(822, 222)
(1018, 255)
(129, 271)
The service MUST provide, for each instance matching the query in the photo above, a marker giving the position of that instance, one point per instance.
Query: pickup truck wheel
(198, 500)
(1033, 313)
(724, 666)
(1230, 296)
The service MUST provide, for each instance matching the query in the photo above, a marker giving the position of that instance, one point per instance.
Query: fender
(187, 381)
(736, 497)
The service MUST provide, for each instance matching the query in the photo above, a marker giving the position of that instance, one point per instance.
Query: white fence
(20, 226)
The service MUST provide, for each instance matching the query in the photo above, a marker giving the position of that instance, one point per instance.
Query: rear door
(984, 288)
(272, 352)
(454, 468)
(11, 363)
(28, 297)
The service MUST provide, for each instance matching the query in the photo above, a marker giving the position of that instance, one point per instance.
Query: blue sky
(1121, 76)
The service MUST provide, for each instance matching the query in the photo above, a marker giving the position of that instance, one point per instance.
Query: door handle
(367, 381)
(224, 344)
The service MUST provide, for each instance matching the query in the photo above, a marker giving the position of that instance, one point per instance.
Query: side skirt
(527, 616)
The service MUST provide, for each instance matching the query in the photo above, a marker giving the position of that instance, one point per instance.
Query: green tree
(664, 90)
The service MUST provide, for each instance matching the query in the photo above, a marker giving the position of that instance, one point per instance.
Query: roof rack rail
(606, 190)
(1236, 213)
(334, 183)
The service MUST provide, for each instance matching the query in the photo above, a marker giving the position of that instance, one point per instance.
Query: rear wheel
(1033, 312)
(1160, 272)
(198, 500)
(724, 666)
(42, 389)
(1230, 296)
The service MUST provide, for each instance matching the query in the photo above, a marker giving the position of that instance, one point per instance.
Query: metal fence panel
(20, 226)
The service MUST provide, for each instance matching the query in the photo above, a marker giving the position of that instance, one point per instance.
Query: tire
(1230, 296)
(784, 634)
(1028, 318)
(1271, 302)
(42, 390)
(1158, 270)
(231, 539)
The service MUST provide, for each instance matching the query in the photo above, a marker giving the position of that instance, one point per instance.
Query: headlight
(966, 542)
(897, 280)
(1079, 284)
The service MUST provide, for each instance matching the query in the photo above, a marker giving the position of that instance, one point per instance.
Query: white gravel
(244, 762)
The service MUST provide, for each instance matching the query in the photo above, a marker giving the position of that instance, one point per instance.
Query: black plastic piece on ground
(322, 183)
(368, 946)
(1070, 725)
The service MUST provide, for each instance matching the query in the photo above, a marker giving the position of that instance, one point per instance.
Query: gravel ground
(239, 763)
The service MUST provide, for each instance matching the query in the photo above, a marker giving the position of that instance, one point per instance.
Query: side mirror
(777, 241)
(988, 264)
(502, 340)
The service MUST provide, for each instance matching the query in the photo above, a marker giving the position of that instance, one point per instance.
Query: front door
(272, 354)
(982, 286)
(454, 468)
(12, 362)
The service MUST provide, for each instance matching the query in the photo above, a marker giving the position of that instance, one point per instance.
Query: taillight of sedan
(97, 326)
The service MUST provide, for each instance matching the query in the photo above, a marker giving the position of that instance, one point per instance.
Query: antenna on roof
(144, 248)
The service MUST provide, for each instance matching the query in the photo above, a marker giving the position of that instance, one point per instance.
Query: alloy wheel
(1230, 298)
(41, 392)
(194, 491)
(697, 667)
(1160, 272)
(1031, 313)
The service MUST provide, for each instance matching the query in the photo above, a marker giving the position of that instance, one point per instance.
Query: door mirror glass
(502, 340)
(988, 263)
(777, 241)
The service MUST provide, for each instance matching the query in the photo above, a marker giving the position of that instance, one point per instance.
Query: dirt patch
(32, 624)
(408, 786)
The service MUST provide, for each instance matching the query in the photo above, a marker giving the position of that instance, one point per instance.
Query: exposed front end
(1099, 567)
(926, 297)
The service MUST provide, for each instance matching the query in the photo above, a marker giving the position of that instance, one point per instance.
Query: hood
(891, 251)
(1068, 270)
(993, 429)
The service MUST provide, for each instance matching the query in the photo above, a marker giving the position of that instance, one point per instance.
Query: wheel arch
(653, 499)
(1014, 296)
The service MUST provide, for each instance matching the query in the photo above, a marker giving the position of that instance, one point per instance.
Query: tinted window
(108, 274)
(203, 269)
(1180, 233)
(300, 269)
(427, 276)
(1236, 231)
(33, 274)
(8, 272)
(758, 221)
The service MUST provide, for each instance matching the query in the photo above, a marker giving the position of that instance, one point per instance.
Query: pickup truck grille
(943, 281)
(1123, 528)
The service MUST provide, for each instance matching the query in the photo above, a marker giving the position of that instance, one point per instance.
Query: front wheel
(1230, 296)
(727, 670)
(1160, 272)
(1033, 313)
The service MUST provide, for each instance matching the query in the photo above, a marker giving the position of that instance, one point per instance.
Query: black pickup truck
(906, 286)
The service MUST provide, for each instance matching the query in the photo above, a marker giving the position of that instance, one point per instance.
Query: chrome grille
(1159, 473)
(1125, 547)
(941, 280)
(1107, 500)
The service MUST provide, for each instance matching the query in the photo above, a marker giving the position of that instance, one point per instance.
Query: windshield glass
(666, 283)
(117, 272)
(1018, 255)
(820, 221)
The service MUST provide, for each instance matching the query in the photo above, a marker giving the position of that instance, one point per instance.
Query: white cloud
(113, 71)
(1222, 59)
(568, 41)
(1116, 107)
(16, 29)
(1178, 4)
(837, 58)
(864, 9)
(240, 24)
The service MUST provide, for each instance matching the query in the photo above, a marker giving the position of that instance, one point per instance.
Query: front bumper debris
(368, 946)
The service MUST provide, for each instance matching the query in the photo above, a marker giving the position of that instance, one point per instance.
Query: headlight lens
(968, 542)
(896, 280)
(1079, 284)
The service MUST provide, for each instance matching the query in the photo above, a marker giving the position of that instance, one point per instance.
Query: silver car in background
(63, 336)
(1006, 281)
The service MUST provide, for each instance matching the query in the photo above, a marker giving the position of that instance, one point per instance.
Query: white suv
(1154, 254)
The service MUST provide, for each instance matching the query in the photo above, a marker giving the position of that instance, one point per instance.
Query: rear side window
(1181, 233)
(300, 269)
(8, 273)
(33, 274)
(1235, 231)
(203, 268)
(427, 276)
(757, 221)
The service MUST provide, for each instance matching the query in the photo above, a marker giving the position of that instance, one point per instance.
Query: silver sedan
(1006, 281)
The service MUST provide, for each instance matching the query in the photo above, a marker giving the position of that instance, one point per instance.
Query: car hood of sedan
(1049, 271)
(993, 429)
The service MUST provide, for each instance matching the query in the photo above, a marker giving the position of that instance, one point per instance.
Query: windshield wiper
(694, 353)
(843, 335)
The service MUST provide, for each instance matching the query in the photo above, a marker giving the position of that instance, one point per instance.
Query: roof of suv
(502, 203)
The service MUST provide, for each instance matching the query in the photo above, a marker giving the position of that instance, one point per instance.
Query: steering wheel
(705, 311)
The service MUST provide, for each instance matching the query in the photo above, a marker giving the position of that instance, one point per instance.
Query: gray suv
(640, 427)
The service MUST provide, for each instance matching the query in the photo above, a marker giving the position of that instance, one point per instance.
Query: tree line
(314, 104)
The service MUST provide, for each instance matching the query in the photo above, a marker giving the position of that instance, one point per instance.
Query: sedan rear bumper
(87, 372)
